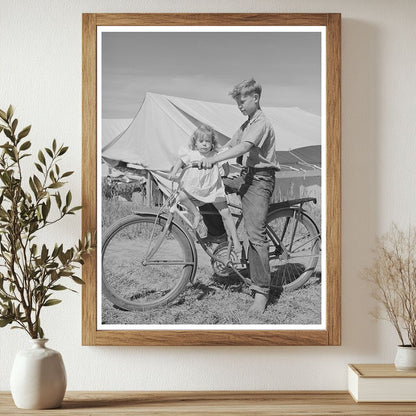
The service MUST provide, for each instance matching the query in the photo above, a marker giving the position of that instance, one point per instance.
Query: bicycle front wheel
(294, 248)
(132, 279)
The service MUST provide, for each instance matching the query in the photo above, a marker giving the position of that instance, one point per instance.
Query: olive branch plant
(393, 278)
(30, 272)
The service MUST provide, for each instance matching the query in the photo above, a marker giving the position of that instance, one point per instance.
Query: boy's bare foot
(259, 305)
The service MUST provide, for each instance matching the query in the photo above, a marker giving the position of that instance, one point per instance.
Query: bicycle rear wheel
(131, 281)
(294, 248)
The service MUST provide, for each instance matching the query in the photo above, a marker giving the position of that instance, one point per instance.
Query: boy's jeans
(255, 195)
(256, 192)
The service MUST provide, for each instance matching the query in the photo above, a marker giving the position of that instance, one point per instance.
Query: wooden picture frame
(331, 333)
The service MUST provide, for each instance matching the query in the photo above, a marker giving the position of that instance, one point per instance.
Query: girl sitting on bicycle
(202, 186)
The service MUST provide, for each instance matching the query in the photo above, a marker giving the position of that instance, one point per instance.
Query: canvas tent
(164, 124)
(112, 127)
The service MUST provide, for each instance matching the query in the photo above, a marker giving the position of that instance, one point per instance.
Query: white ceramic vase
(38, 377)
(405, 358)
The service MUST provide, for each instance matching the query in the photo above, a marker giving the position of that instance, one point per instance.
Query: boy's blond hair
(204, 131)
(246, 87)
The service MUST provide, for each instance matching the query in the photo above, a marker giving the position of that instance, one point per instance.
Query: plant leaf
(51, 302)
(24, 133)
(5, 321)
(10, 112)
(58, 199)
(68, 199)
(41, 157)
(37, 182)
(67, 174)
(59, 287)
(40, 332)
(63, 150)
(25, 145)
(78, 280)
(56, 185)
(14, 125)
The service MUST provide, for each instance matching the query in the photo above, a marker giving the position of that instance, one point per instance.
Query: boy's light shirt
(259, 132)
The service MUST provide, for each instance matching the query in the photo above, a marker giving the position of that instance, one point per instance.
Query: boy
(255, 141)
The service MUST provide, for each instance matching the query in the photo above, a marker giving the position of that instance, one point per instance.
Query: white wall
(40, 73)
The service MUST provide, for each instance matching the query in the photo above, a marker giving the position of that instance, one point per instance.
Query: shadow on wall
(360, 180)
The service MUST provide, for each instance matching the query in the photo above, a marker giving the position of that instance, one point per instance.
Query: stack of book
(381, 383)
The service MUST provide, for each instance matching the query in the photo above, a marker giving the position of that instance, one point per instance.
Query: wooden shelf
(178, 403)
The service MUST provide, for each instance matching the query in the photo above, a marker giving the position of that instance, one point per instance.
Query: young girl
(202, 186)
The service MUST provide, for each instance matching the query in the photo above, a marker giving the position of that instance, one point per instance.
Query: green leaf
(40, 332)
(63, 150)
(51, 302)
(25, 155)
(54, 145)
(8, 133)
(56, 185)
(41, 157)
(37, 182)
(25, 145)
(67, 174)
(44, 253)
(24, 132)
(39, 167)
(10, 112)
(59, 287)
(77, 208)
(62, 257)
(58, 199)
(76, 279)
(14, 125)
(5, 321)
(49, 152)
(33, 187)
(45, 211)
(68, 199)
(3, 115)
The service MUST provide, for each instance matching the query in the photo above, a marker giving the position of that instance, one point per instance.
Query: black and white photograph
(211, 148)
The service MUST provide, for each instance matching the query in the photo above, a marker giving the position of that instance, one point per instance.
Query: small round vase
(405, 358)
(38, 377)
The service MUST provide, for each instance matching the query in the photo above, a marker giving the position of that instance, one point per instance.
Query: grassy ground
(213, 300)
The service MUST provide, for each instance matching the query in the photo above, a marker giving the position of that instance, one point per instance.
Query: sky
(205, 66)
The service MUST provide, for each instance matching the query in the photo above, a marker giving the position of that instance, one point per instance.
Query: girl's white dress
(204, 185)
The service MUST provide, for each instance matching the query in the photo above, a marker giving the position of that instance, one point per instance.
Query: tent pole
(149, 189)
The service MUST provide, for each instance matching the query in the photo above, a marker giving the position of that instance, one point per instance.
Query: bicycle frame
(153, 247)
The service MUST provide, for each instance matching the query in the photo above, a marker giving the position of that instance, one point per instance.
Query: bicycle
(148, 258)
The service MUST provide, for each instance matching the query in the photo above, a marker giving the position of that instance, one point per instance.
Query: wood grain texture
(89, 172)
(269, 403)
(211, 19)
(333, 155)
(212, 338)
(380, 371)
(330, 336)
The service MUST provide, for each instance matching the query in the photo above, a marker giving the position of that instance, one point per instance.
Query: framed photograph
(211, 172)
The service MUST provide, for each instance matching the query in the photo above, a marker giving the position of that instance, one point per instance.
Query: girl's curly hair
(204, 131)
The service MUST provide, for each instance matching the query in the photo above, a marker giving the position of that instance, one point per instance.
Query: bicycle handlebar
(185, 168)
